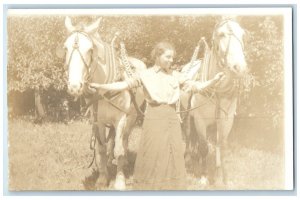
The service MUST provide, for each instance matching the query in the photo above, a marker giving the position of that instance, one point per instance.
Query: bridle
(88, 75)
(222, 59)
(75, 47)
(224, 62)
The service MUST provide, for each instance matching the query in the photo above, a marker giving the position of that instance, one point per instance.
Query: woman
(160, 158)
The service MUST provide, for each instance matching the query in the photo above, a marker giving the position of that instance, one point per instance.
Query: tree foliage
(265, 58)
(31, 52)
(32, 41)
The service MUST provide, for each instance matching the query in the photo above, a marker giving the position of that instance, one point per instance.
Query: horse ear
(69, 25)
(93, 27)
(229, 17)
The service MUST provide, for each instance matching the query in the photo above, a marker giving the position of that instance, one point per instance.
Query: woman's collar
(157, 68)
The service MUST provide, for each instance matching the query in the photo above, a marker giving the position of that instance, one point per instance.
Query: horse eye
(221, 34)
(90, 51)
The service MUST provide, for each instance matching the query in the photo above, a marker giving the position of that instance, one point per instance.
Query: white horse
(90, 60)
(216, 106)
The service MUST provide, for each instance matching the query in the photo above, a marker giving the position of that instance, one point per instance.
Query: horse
(210, 114)
(88, 59)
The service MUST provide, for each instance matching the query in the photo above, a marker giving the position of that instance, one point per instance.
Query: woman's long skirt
(160, 158)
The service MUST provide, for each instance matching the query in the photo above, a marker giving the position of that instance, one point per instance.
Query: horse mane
(100, 45)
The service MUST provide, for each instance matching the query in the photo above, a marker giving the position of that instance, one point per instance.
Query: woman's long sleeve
(118, 86)
(195, 86)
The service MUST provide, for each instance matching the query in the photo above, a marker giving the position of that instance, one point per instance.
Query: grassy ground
(54, 156)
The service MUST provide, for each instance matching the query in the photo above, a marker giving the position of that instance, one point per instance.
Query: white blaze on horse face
(236, 58)
(77, 58)
(231, 46)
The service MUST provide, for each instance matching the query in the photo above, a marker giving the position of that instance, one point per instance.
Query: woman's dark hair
(160, 48)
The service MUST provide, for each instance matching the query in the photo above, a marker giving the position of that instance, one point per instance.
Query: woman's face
(165, 60)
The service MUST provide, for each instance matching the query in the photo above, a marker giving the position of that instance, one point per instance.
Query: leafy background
(33, 65)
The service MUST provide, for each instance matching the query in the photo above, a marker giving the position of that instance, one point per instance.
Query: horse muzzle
(75, 89)
(239, 69)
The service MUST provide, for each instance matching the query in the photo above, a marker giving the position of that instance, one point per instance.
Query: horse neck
(227, 85)
(208, 69)
(104, 66)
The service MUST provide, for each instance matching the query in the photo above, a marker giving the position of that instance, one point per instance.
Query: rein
(113, 72)
(210, 99)
(208, 57)
(194, 108)
(110, 60)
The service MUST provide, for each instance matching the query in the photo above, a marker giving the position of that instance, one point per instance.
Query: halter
(107, 96)
(230, 29)
(231, 34)
(76, 48)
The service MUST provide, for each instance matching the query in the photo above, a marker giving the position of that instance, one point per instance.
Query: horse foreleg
(200, 128)
(186, 135)
(101, 156)
(224, 126)
(110, 146)
(119, 153)
(221, 173)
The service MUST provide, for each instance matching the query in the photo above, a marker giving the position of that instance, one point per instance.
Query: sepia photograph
(164, 99)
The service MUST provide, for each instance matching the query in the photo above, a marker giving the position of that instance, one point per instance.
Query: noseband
(76, 48)
(224, 62)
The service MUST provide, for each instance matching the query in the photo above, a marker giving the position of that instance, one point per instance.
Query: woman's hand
(218, 77)
(188, 88)
(196, 86)
(95, 85)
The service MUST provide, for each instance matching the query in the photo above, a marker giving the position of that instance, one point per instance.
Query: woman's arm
(117, 86)
(197, 86)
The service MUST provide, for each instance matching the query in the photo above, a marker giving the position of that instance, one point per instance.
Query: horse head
(227, 54)
(79, 49)
(228, 47)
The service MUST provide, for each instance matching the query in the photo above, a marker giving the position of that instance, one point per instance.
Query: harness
(114, 74)
(215, 92)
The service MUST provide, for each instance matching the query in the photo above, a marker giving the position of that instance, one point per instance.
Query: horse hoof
(203, 181)
(120, 182)
(90, 178)
(219, 184)
(102, 182)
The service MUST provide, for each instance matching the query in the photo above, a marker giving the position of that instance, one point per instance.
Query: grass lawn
(54, 156)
